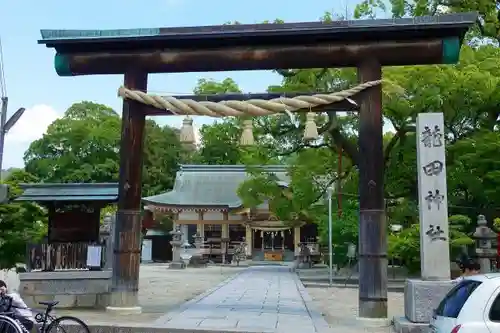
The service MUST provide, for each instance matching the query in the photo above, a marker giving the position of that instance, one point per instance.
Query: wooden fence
(60, 256)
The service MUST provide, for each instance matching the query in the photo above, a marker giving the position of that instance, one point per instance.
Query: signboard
(273, 256)
(94, 256)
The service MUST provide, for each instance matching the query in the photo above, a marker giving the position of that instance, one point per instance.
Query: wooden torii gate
(365, 44)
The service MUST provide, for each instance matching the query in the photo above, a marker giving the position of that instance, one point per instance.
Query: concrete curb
(342, 280)
(398, 289)
(130, 328)
(318, 321)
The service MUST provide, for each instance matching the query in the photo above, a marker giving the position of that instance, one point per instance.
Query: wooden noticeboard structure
(74, 222)
(366, 44)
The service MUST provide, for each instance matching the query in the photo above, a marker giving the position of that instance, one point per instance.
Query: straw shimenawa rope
(253, 107)
(249, 108)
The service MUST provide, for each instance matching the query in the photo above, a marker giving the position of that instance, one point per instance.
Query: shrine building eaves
(69, 192)
(210, 186)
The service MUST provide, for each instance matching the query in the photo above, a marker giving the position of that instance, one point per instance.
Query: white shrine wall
(213, 216)
(188, 216)
(235, 217)
(208, 216)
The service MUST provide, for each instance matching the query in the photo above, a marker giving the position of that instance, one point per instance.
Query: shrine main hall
(204, 201)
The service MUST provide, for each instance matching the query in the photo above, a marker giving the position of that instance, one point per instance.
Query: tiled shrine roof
(69, 192)
(209, 186)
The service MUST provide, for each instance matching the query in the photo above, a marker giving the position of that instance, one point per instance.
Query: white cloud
(31, 126)
(35, 120)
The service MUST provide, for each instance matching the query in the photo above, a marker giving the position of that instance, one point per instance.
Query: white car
(472, 306)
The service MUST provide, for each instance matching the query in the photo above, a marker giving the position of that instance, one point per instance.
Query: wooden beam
(127, 230)
(372, 223)
(325, 55)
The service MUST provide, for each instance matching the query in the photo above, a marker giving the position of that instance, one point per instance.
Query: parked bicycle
(45, 322)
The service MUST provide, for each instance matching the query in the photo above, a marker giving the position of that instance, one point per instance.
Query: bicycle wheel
(67, 324)
(9, 325)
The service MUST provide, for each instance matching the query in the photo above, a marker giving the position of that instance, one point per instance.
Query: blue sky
(33, 83)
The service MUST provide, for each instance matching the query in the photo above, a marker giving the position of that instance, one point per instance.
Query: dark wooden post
(372, 223)
(127, 229)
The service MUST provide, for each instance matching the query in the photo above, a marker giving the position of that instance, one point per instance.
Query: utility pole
(330, 243)
(3, 120)
(6, 125)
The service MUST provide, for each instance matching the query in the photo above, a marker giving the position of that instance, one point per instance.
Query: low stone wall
(73, 289)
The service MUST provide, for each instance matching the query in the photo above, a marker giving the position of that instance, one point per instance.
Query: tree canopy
(466, 93)
(20, 222)
(82, 146)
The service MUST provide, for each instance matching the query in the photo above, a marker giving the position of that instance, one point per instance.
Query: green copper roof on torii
(254, 30)
(79, 34)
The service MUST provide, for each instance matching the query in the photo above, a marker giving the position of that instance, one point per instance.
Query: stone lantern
(484, 237)
(106, 236)
(198, 240)
(244, 246)
(197, 257)
(177, 262)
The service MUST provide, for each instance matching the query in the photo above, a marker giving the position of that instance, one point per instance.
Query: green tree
(476, 177)
(220, 140)
(488, 25)
(466, 93)
(405, 245)
(344, 227)
(219, 143)
(79, 147)
(83, 146)
(20, 222)
(162, 156)
(212, 87)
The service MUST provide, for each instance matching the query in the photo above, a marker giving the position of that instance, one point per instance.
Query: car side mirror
(434, 312)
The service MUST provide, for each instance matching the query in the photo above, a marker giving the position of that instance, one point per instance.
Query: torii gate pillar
(127, 231)
(372, 221)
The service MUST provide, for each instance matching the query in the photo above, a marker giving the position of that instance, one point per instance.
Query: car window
(453, 302)
(495, 309)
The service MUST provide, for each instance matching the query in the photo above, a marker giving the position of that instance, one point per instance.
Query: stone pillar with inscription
(433, 200)
(423, 295)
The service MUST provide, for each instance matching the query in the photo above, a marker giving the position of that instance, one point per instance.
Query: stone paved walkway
(259, 299)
